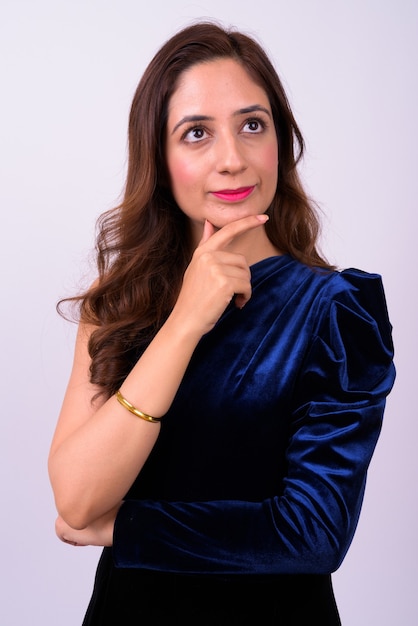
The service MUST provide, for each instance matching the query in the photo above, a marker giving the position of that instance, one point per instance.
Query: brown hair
(143, 245)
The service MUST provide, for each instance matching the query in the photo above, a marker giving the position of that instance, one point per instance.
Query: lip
(234, 195)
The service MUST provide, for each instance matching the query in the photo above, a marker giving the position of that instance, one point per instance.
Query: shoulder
(353, 287)
(350, 303)
(321, 295)
(358, 292)
(316, 285)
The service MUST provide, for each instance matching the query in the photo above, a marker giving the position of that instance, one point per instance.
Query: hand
(215, 275)
(99, 533)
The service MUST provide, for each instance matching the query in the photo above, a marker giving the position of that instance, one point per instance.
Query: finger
(208, 230)
(71, 543)
(243, 292)
(241, 299)
(221, 238)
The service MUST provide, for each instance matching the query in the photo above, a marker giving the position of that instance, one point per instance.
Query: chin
(223, 220)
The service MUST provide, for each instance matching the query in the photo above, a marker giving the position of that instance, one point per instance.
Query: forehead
(220, 83)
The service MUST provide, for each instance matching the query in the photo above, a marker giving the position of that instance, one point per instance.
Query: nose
(230, 157)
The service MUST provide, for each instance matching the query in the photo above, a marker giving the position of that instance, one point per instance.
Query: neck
(254, 245)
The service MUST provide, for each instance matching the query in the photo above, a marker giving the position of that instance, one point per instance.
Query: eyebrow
(207, 118)
(192, 118)
(252, 109)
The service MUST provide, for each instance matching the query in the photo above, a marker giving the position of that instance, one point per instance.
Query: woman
(228, 384)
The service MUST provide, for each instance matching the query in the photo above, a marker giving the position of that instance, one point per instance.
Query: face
(221, 145)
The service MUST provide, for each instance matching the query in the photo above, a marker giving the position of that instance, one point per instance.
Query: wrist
(185, 328)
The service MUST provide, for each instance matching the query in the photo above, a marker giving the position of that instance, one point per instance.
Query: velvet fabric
(256, 481)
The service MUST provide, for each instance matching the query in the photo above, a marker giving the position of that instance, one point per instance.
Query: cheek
(271, 158)
(268, 164)
(183, 175)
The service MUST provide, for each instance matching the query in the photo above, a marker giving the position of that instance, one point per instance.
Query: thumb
(208, 230)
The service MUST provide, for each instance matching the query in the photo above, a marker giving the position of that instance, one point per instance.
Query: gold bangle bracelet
(127, 405)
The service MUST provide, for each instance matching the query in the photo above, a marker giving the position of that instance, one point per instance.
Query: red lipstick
(234, 195)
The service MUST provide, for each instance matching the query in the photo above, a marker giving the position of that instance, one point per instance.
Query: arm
(98, 450)
(307, 527)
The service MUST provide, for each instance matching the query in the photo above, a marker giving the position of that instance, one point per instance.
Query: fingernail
(262, 218)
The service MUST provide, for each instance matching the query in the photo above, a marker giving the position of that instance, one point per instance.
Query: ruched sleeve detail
(334, 420)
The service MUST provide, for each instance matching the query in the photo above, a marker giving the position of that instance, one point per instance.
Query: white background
(68, 73)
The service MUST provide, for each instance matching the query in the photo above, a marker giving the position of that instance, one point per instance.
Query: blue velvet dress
(252, 493)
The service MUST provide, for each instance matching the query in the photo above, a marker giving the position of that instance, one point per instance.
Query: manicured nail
(262, 218)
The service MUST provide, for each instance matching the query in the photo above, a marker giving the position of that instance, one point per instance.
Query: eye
(194, 134)
(254, 125)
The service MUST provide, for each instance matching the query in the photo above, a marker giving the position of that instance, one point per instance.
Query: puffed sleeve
(336, 416)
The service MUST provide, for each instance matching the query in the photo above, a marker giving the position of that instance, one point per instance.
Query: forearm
(97, 454)
(228, 537)
(306, 528)
(92, 468)
(154, 381)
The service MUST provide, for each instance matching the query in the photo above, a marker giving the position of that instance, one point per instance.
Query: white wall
(68, 72)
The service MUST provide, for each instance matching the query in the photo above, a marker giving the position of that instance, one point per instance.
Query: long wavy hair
(143, 245)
